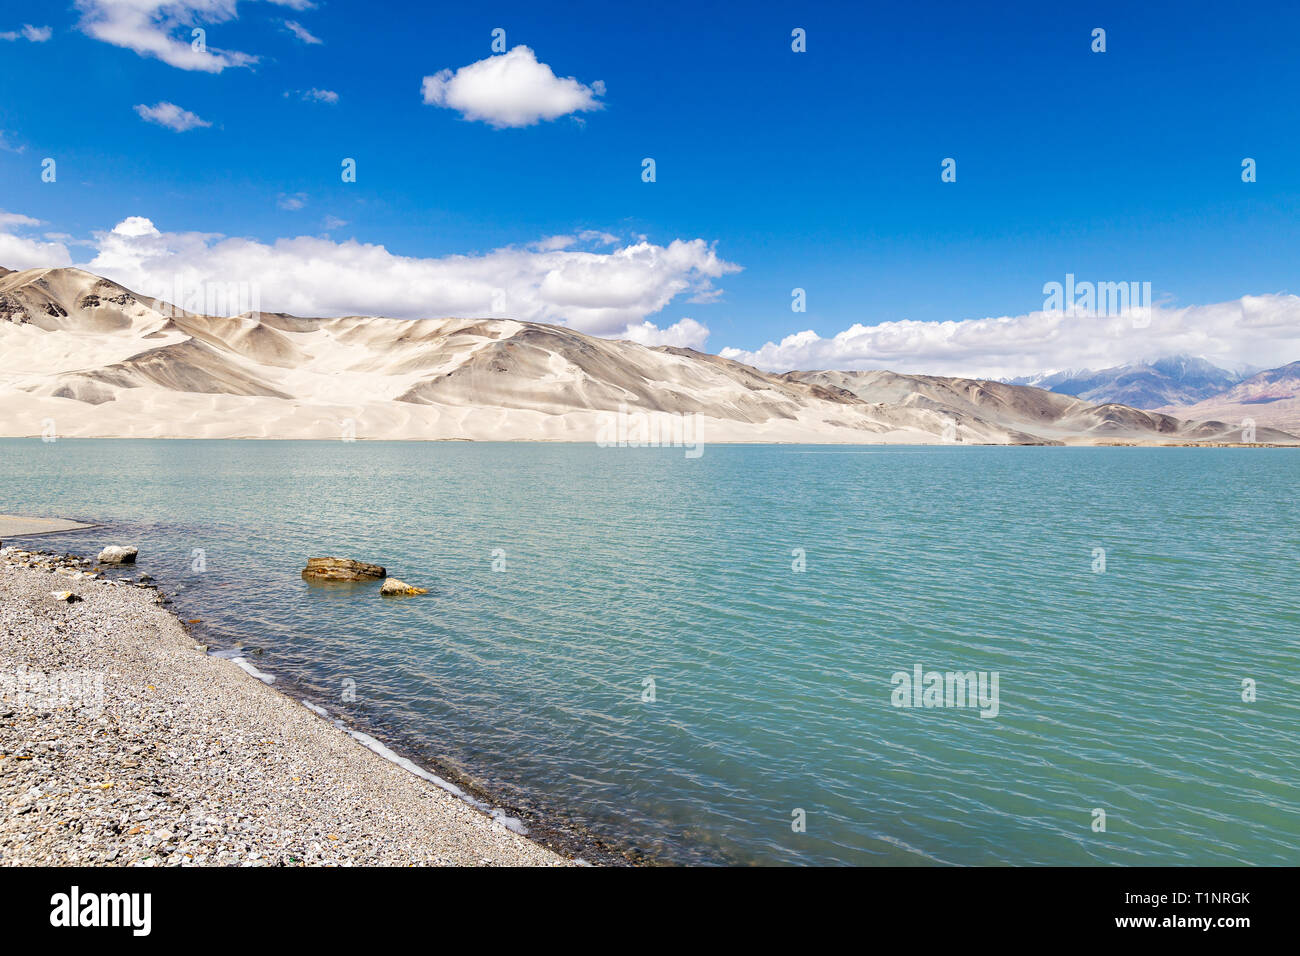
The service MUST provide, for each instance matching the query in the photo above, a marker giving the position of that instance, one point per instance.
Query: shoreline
(1061, 443)
(124, 742)
(22, 526)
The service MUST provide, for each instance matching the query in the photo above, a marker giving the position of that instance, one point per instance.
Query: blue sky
(818, 170)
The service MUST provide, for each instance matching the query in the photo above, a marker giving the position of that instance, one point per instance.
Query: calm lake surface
(773, 688)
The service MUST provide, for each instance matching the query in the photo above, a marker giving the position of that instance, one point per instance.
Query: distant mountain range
(86, 357)
(1189, 387)
(1271, 397)
(1174, 381)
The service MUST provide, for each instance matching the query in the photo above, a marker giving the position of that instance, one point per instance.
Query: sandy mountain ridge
(97, 360)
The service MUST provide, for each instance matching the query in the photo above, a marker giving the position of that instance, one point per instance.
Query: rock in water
(341, 569)
(117, 554)
(393, 587)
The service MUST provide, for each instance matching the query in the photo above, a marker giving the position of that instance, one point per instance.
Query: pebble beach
(122, 742)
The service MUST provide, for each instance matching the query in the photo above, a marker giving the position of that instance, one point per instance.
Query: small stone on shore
(397, 588)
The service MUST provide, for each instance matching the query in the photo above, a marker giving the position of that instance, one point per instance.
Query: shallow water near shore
(773, 688)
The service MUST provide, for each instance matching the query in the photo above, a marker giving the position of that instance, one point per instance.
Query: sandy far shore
(12, 526)
(123, 743)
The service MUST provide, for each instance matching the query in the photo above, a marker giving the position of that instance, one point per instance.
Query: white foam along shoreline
(511, 823)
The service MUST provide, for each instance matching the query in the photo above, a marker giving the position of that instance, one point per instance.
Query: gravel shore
(123, 743)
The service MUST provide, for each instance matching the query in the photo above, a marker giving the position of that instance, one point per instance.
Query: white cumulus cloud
(511, 89)
(614, 289)
(133, 227)
(171, 116)
(684, 333)
(611, 292)
(19, 252)
(1261, 330)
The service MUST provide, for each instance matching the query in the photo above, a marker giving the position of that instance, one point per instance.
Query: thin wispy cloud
(590, 237)
(69, 239)
(10, 219)
(301, 32)
(164, 29)
(171, 116)
(314, 95)
(8, 146)
(292, 202)
(510, 90)
(29, 33)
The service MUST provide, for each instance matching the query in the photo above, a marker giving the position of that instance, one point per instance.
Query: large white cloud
(511, 89)
(589, 283)
(584, 284)
(1261, 330)
(164, 29)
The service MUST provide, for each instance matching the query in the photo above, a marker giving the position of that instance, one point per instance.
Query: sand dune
(90, 358)
(1032, 411)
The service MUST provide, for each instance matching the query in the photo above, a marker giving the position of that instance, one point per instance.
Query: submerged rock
(341, 569)
(393, 588)
(117, 554)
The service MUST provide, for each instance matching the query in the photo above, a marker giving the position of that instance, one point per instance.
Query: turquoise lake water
(773, 688)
